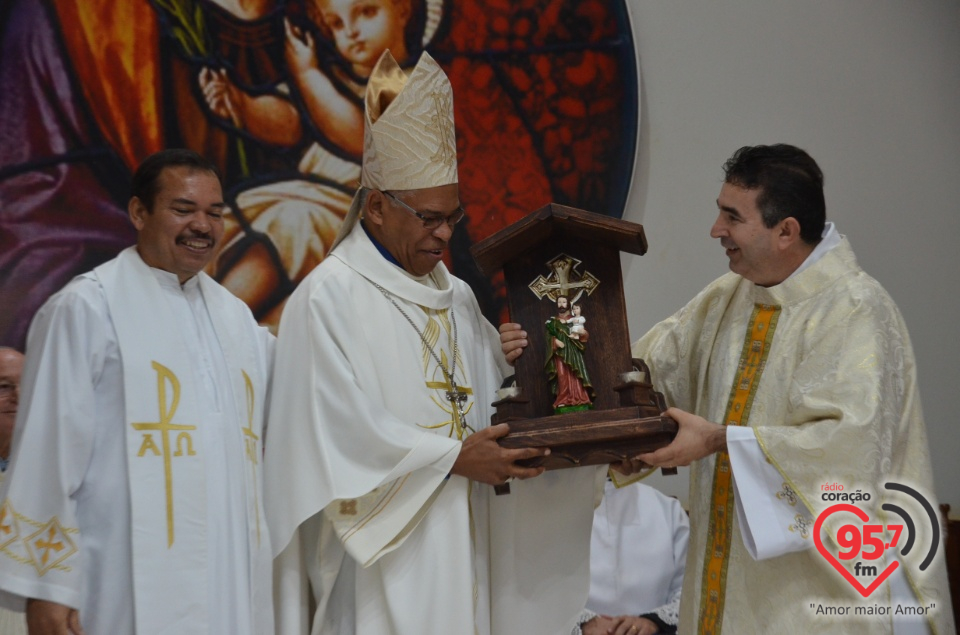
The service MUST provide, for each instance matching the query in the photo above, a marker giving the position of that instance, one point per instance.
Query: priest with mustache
(133, 502)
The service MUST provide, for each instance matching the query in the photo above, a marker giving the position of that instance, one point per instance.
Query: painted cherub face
(363, 29)
(575, 309)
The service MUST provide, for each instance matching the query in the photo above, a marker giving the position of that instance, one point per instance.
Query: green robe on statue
(566, 370)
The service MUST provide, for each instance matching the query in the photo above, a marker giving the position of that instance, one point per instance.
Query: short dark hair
(790, 184)
(145, 186)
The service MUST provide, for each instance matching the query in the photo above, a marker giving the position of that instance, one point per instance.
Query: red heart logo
(862, 515)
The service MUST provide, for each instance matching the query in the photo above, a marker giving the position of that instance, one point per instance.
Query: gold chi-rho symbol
(165, 427)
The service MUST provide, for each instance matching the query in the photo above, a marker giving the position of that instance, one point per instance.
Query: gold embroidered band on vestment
(252, 448)
(753, 358)
(446, 382)
(348, 507)
(164, 427)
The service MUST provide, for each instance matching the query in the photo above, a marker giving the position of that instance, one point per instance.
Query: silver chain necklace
(455, 395)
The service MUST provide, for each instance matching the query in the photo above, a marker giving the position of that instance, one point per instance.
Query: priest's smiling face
(182, 231)
(417, 248)
(753, 249)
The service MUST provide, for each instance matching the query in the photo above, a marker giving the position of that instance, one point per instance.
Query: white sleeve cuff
(773, 521)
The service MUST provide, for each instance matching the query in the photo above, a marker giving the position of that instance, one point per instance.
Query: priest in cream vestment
(806, 361)
(134, 500)
(380, 458)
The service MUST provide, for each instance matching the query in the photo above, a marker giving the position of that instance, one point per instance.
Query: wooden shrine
(553, 260)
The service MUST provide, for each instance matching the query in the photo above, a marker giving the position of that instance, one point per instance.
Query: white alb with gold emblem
(142, 402)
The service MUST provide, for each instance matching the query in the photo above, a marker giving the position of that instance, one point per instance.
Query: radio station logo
(862, 543)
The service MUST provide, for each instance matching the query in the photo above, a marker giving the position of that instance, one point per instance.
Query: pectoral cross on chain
(456, 395)
(457, 399)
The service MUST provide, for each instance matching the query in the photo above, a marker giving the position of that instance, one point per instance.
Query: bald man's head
(11, 365)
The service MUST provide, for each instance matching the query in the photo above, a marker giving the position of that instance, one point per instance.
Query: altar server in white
(380, 460)
(134, 500)
(637, 555)
(790, 374)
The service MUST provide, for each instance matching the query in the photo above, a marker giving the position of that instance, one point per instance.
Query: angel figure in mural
(293, 222)
(92, 88)
(565, 367)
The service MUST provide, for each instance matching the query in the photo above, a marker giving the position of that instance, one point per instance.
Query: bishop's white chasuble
(147, 398)
(820, 367)
(359, 494)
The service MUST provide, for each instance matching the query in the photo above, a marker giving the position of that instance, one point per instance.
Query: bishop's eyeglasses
(432, 221)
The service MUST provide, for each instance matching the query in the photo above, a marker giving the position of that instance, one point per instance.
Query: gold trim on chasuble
(354, 514)
(756, 347)
(436, 378)
(164, 426)
(367, 507)
(250, 439)
(458, 425)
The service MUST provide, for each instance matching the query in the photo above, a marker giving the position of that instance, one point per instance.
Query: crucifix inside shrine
(577, 389)
(563, 280)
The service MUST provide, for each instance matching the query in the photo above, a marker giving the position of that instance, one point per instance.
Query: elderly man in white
(380, 460)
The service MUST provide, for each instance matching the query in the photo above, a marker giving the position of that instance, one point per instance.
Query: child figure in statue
(577, 323)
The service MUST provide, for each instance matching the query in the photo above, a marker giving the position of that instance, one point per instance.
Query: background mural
(271, 90)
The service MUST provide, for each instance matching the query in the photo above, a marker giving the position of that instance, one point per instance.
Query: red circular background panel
(547, 109)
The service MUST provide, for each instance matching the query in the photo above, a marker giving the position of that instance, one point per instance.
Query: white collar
(829, 239)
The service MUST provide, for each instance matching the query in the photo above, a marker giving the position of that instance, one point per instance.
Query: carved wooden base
(590, 438)
(593, 437)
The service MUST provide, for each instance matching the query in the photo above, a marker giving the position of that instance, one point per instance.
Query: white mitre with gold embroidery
(409, 141)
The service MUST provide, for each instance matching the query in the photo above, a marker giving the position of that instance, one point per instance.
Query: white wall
(871, 88)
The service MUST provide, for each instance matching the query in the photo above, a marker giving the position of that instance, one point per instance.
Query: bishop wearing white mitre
(378, 498)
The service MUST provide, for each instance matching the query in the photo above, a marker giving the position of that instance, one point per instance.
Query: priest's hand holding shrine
(696, 438)
(482, 459)
(631, 466)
